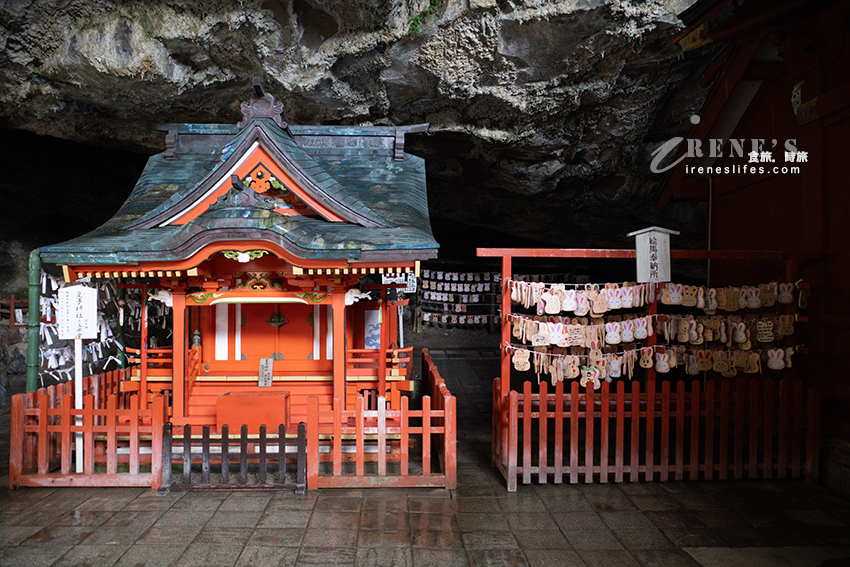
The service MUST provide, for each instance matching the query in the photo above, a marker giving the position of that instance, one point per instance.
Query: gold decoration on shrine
(244, 257)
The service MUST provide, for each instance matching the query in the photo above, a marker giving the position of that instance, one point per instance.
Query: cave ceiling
(543, 114)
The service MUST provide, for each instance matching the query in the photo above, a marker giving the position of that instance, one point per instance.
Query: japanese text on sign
(77, 313)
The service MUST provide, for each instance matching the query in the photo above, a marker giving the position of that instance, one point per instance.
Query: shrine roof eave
(164, 246)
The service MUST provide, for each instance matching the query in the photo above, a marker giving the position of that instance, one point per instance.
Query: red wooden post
(769, 402)
(784, 395)
(143, 347)
(506, 327)
(178, 354)
(813, 438)
(574, 432)
(496, 429)
(709, 430)
(634, 453)
(513, 434)
(649, 471)
(382, 436)
(134, 434)
(43, 442)
(312, 442)
(426, 435)
(338, 306)
(383, 342)
(88, 435)
(680, 431)
(693, 472)
(739, 429)
(589, 418)
(621, 431)
(405, 435)
(337, 436)
(559, 433)
(111, 435)
(31, 439)
(603, 432)
(754, 430)
(526, 432)
(451, 442)
(67, 436)
(360, 435)
(797, 437)
(16, 441)
(543, 429)
(724, 429)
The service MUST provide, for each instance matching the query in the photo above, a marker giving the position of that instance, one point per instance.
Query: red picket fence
(116, 434)
(719, 433)
(385, 435)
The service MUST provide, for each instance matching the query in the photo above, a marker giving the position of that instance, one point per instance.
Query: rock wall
(543, 114)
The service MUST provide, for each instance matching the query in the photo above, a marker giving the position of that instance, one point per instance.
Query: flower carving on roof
(264, 106)
(241, 196)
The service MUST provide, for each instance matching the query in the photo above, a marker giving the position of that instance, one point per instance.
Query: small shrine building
(260, 235)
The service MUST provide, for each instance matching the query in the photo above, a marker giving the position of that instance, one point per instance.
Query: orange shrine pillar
(178, 352)
(338, 306)
(383, 344)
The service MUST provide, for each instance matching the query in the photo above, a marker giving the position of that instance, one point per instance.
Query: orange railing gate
(340, 436)
(122, 442)
(754, 430)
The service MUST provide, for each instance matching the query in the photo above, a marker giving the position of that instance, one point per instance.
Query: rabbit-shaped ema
(662, 362)
(786, 293)
(676, 297)
(612, 333)
(628, 331)
(753, 299)
(776, 359)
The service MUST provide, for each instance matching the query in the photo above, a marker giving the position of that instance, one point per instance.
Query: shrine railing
(360, 448)
(394, 363)
(756, 430)
(113, 441)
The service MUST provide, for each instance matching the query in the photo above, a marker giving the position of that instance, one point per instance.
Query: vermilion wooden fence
(752, 430)
(376, 436)
(119, 438)
(10, 305)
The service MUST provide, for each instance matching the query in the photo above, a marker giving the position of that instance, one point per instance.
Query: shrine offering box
(253, 409)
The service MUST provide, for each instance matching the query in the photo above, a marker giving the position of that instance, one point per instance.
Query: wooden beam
(554, 253)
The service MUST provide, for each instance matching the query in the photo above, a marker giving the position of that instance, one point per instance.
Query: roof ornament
(261, 105)
(241, 196)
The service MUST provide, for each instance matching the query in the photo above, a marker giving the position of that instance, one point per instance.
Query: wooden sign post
(652, 246)
(77, 319)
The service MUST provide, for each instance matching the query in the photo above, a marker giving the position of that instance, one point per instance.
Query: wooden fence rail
(119, 439)
(266, 454)
(754, 430)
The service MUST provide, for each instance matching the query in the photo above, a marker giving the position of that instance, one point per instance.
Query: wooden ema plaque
(252, 409)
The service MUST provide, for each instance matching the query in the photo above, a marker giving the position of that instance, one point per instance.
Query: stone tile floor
(746, 523)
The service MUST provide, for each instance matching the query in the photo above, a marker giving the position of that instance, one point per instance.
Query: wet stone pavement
(676, 524)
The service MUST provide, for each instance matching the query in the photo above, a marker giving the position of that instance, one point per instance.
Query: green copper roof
(359, 173)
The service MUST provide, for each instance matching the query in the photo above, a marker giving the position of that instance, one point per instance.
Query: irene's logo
(760, 151)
